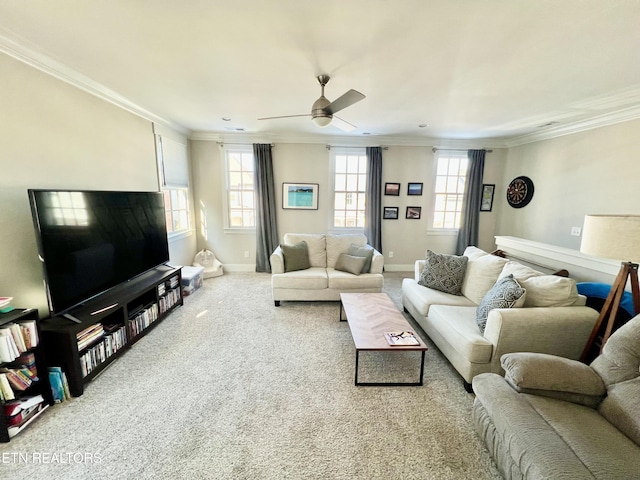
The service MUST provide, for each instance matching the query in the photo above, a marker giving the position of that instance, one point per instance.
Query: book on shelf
(5, 388)
(59, 385)
(13, 407)
(25, 418)
(89, 335)
(401, 339)
(17, 338)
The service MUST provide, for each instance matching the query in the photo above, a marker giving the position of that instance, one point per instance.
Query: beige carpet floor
(231, 387)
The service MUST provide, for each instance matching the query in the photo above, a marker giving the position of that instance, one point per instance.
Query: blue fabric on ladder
(601, 290)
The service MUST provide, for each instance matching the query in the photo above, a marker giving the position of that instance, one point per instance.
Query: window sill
(175, 236)
(443, 232)
(240, 231)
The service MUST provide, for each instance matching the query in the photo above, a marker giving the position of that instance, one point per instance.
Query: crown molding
(17, 48)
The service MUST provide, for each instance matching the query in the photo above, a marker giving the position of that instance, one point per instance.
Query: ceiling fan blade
(286, 116)
(343, 124)
(349, 98)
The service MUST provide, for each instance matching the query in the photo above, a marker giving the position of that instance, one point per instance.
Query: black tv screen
(91, 241)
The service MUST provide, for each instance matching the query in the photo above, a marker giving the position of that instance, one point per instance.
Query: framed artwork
(486, 204)
(302, 196)
(413, 213)
(390, 213)
(392, 189)
(414, 189)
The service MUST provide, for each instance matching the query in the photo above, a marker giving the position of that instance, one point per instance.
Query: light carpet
(231, 387)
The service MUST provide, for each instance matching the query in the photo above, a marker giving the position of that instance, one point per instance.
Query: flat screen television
(92, 241)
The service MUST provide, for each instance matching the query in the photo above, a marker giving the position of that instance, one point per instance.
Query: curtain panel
(373, 208)
(266, 226)
(470, 216)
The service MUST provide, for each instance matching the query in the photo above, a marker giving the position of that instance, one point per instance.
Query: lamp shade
(612, 236)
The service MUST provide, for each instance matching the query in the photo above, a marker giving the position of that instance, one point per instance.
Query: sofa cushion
(296, 257)
(315, 243)
(550, 291)
(519, 271)
(506, 293)
(365, 251)
(472, 252)
(313, 278)
(443, 272)
(350, 264)
(553, 376)
(482, 273)
(337, 244)
(344, 281)
(422, 297)
(620, 358)
(622, 408)
(457, 325)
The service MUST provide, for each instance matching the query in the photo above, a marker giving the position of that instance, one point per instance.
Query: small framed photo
(392, 189)
(413, 213)
(414, 189)
(390, 213)
(486, 204)
(303, 196)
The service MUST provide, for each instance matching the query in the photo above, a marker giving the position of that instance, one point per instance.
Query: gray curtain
(266, 226)
(373, 209)
(468, 233)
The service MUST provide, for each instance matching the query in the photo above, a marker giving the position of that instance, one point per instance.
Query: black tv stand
(105, 327)
(68, 316)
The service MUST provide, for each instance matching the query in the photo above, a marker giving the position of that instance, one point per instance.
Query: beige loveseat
(556, 418)
(553, 319)
(321, 281)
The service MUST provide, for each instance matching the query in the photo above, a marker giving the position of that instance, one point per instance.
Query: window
(451, 172)
(176, 208)
(240, 189)
(173, 163)
(350, 181)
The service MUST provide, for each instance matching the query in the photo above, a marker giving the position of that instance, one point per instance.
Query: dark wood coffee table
(370, 316)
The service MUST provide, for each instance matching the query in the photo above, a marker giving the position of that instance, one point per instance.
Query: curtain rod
(434, 150)
(222, 144)
(329, 147)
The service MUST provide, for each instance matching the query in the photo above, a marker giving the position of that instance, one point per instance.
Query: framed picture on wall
(414, 189)
(486, 204)
(390, 213)
(302, 196)
(413, 213)
(392, 189)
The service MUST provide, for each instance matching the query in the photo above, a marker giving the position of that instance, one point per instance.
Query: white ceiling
(477, 70)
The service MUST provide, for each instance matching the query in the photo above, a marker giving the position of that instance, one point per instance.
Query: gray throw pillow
(443, 272)
(365, 251)
(505, 293)
(350, 263)
(296, 257)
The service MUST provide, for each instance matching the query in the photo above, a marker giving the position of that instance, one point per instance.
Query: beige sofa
(556, 418)
(554, 318)
(321, 281)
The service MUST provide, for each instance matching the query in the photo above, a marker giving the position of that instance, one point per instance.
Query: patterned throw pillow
(443, 272)
(506, 293)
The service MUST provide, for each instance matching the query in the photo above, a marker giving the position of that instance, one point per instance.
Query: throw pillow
(365, 251)
(350, 263)
(504, 294)
(443, 272)
(296, 257)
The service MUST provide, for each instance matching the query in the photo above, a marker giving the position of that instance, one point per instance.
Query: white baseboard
(398, 268)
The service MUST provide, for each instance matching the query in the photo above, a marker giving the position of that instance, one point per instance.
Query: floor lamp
(615, 237)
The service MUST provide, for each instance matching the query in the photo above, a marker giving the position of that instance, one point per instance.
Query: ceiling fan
(323, 111)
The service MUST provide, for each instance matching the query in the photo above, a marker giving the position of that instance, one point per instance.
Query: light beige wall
(53, 135)
(595, 171)
(311, 163)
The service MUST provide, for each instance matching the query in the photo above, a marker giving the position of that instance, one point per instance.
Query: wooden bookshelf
(123, 315)
(38, 387)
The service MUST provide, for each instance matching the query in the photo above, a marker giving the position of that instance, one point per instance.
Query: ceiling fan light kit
(322, 110)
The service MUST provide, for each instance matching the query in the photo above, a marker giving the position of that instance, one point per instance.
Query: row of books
(89, 335)
(170, 284)
(169, 300)
(114, 340)
(17, 338)
(20, 412)
(143, 319)
(18, 377)
(59, 385)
